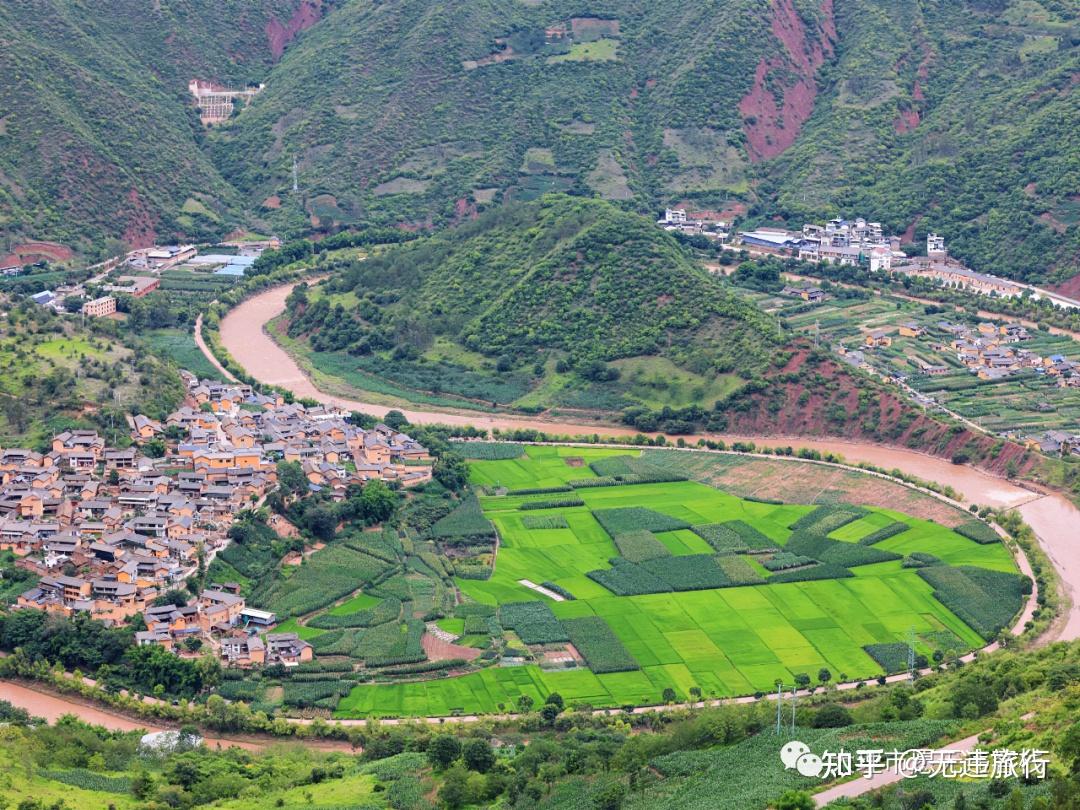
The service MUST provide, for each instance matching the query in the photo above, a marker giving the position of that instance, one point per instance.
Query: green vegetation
(533, 622)
(525, 333)
(52, 367)
(719, 622)
(985, 599)
(600, 648)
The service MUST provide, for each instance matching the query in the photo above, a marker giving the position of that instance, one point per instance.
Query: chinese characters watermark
(944, 763)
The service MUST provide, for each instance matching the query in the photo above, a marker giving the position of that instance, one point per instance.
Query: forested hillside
(561, 300)
(947, 116)
(99, 137)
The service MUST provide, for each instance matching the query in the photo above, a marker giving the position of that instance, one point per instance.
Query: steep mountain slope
(98, 135)
(955, 116)
(958, 117)
(412, 112)
(528, 298)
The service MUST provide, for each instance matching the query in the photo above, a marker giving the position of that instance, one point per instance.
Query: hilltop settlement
(105, 531)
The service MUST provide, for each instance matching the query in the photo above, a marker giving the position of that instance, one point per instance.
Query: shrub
(532, 621)
(553, 504)
(425, 666)
(599, 646)
(310, 693)
(89, 780)
(832, 715)
(978, 531)
(884, 533)
(544, 522)
(633, 518)
(640, 545)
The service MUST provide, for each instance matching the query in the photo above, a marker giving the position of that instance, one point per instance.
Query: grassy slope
(562, 278)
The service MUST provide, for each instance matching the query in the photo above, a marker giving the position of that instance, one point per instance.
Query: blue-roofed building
(44, 297)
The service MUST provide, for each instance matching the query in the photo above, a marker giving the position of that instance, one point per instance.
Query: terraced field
(692, 623)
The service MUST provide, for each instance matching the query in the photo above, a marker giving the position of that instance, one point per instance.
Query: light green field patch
(355, 604)
(684, 541)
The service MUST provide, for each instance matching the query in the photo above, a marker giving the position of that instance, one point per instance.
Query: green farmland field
(724, 641)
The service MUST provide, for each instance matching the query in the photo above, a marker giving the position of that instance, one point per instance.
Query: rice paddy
(726, 641)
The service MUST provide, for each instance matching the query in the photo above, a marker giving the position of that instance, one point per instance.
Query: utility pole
(794, 690)
(779, 708)
(911, 653)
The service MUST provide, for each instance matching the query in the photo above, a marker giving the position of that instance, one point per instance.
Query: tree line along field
(701, 628)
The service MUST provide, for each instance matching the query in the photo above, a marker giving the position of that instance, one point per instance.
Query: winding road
(1055, 520)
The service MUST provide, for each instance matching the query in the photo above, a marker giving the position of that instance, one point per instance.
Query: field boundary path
(209, 355)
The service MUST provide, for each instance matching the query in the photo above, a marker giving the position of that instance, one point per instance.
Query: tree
(832, 715)
(524, 703)
(291, 477)
(478, 755)
(555, 699)
(668, 695)
(155, 448)
(443, 750)
(610, 796)
(451, 471)
(395, 420)
(455, 790)
(795, 800)
(378, 501)
(74, 303)
(321, 521)
(824, 675)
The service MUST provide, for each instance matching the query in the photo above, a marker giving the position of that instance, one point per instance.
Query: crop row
(640, 545)
(810, 573)
(828, 518)
(783, 560)
(552, 504)
(986, 600)
(467, 520)
(978, 531)
(532, 621)
(387, 610)
(824, 549)
(598, 645)
(733, 537)
(884, 533)
(544, 522)
(489, 451)
(634, 518)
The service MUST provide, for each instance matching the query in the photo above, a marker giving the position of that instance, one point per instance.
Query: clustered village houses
(109, 530)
